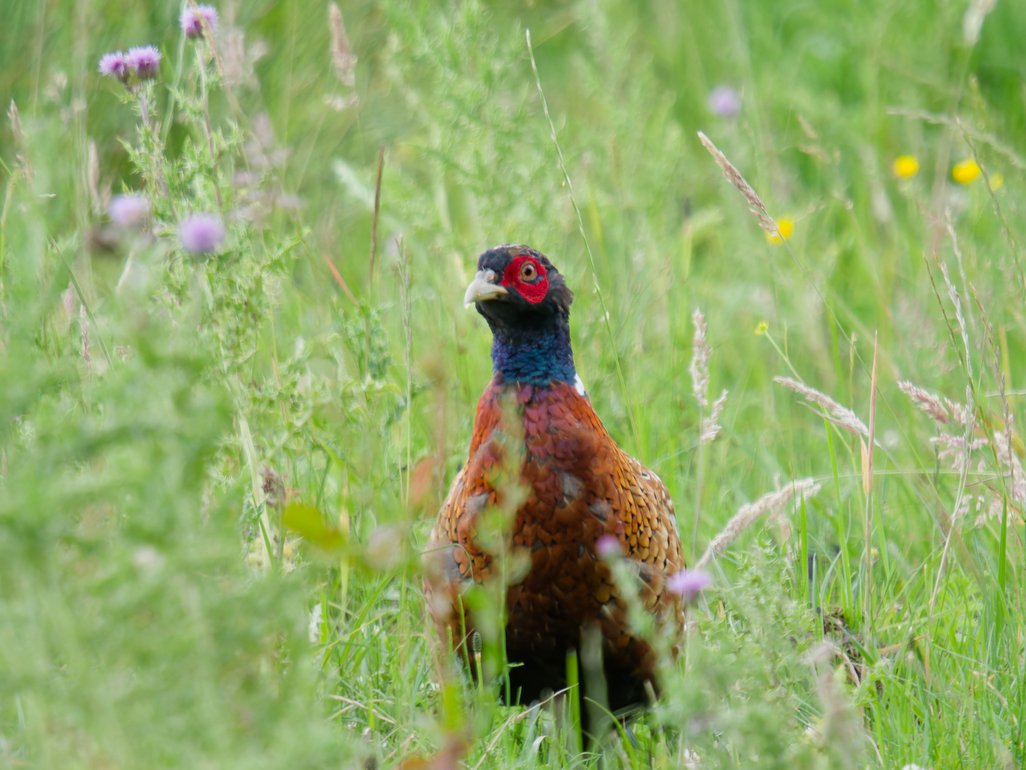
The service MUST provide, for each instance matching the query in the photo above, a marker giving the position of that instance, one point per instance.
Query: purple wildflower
(114, 65)
(689, 583)
(607, 546)
(129, 211)
(724, 101)
(144, 61)
(192, 19)
(201, 233)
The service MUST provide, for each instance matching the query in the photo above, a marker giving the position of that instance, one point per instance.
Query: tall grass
(218, 471)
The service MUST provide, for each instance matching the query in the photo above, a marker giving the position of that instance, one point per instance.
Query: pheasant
(583, 494)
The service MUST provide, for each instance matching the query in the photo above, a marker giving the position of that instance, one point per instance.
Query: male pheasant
(580, 486)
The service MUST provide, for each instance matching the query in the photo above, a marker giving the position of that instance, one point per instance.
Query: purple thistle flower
(144, 61)
(192, 19)
(689, 583)
(724, 101)
(607, 546)
(201, 233)
(114, 65)
(128, 211)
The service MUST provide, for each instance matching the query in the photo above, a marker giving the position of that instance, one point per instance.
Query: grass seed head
(342, 58)
(772, 502)
(1010, 465)
(957, 449)
(734, 177)
(928, 402)
(843, 417)
(710, 428)
(700, 354)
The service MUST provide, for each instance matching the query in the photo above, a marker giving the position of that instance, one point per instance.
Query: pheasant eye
(528, 278)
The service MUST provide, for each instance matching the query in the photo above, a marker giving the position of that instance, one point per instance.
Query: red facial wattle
(533, 290)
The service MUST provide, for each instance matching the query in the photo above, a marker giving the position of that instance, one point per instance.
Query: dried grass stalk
(968, 445)
(957, 302)
(842, 416)
(868, 477)
(928, 402)
(755, 203)
(747, 515)
(972, 21)
(958, 260)
(93, 178)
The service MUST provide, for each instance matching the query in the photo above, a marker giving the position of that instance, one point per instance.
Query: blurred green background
(155, 610)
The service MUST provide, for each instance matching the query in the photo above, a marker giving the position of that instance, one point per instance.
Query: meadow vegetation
(219, 462)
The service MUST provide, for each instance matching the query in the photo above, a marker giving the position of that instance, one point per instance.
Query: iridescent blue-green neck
(534, 355)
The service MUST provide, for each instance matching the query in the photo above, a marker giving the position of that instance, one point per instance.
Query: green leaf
(308, 521)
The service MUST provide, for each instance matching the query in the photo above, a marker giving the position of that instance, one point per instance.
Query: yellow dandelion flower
(905, 166)
(785, 226)
(996, 181)
(761, 328)
(966, 171)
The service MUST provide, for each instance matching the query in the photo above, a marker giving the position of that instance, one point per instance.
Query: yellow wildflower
(906, 166)
(996, 181)
(966, 171)
(761, 328)
(785, 226)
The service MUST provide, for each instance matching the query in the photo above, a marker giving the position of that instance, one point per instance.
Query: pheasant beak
(483, 288)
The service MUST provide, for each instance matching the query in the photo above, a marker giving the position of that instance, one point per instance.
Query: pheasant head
(527, 305)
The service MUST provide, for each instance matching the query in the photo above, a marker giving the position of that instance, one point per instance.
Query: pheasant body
(577, 485)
